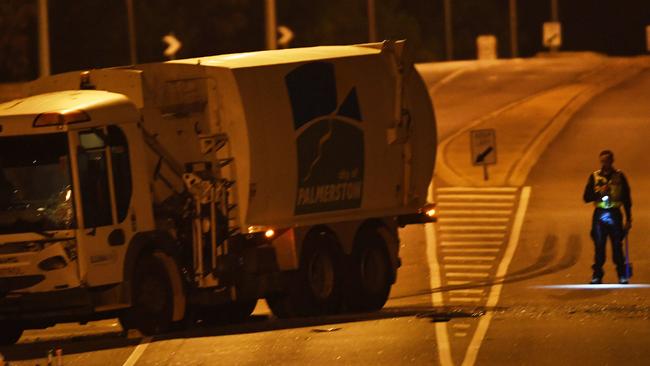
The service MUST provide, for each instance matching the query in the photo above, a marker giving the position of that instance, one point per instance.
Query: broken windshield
(35, 184)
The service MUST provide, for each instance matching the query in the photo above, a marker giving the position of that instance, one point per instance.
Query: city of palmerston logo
(329, 140)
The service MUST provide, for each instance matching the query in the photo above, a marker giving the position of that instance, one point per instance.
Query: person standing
(609, 190)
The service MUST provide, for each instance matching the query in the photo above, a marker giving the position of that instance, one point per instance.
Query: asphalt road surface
(500, 280)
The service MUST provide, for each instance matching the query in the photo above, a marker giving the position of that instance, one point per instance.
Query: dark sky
(93, 33)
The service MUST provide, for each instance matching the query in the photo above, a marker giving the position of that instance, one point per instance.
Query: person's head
(606, 159)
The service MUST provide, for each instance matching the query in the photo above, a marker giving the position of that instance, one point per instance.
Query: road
(476, 288)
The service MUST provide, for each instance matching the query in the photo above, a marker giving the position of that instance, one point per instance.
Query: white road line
(137, 353)
(475, 197)
(470, 243)
(460, 334)
(476, 189)
(467, 291)
(456, 282)
(469, 258)
(465, 299)
(472, 250)
(444, 220)
(472, 228)
(466, 275)
(468, 266)
(443, 213)
(474, 204)
(474, 236)
(461, 326)
(442, 334)
(495, 292)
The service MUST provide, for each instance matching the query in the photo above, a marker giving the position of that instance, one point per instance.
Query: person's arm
(589, 195)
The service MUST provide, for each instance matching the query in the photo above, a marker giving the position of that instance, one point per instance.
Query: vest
(614, 194)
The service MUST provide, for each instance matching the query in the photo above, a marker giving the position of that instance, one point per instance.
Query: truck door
(105, 189)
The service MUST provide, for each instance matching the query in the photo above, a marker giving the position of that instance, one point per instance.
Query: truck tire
(9, 333)
(152, 300)
(370, 273)
(316, 287)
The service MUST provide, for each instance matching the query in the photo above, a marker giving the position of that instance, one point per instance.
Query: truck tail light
(60, 118)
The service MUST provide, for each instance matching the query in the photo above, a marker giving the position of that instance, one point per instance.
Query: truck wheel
(370, 273)
(152, 299)
(9, 333)
(315, 288)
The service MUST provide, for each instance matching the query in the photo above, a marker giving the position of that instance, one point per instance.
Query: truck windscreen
(35, 184)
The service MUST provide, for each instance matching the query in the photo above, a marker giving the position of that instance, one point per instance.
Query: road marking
(474, 236)
(469, 243)
(461, 326)
(465, 299)
(466, 274)
(469, 258)
(477, 189)
(474, 204)
(460, 334)
(454, 283)
(137, 353)
(444, 220)
(435, 282)
(475, 197)
(467, 291)
(495, 292)
(456, 250)
(468, 266)
(445, 213)
(473, 228)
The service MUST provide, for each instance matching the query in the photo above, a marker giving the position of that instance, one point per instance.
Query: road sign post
(483, 147)
(647, 38)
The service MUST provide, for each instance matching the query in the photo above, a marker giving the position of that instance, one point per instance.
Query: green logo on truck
(329, 140)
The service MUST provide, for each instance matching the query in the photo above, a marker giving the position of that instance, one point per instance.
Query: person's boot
(596, 280)
(623, 280)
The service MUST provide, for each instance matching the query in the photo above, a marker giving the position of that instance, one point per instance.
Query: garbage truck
(167, 192)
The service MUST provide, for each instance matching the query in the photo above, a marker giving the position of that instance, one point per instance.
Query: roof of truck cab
(274, 57)
(62, 101)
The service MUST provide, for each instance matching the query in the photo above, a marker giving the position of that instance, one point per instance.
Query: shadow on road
(90, 343)
(544, 265)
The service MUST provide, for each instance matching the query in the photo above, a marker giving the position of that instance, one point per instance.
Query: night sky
(93, 33)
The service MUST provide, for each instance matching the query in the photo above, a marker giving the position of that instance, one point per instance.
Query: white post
(372, 22)
(449, 38)
(271, 27)
(43, 39)
(514, 39)
(131, 20)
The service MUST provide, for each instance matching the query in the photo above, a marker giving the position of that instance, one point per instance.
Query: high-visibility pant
(608, 223)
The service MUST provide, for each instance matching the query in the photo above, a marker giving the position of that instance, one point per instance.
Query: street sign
(286, 35)
(483, 146)
(486, 47)
(173, 45)
(552, 37)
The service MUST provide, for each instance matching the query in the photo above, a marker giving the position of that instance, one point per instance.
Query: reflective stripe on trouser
(608, 223)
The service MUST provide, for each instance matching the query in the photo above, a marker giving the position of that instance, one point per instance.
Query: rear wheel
(316, 287)
(370, 273)
(10, 333)
(151, 312)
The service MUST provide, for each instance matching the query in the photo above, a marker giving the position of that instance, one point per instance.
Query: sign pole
(485, 172)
